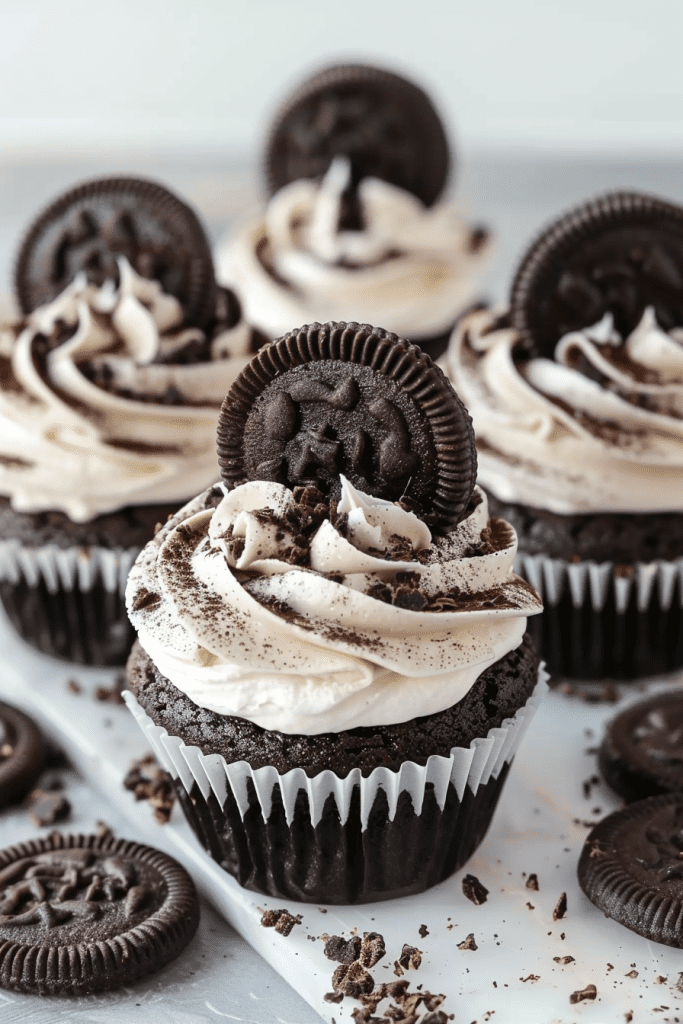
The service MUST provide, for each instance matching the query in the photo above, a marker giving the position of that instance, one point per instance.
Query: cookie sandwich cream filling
(409, 267)
(270, 608)
(106, 400)
(599, 428)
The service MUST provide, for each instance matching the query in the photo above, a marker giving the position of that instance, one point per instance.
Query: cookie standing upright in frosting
(110, 388)
(576, 395)
(336, 618)
(355, 229)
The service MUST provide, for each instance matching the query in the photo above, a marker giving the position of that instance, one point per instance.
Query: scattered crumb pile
(150, 782)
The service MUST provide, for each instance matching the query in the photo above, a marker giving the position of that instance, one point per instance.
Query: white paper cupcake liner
(66, 568)
(471, 767)
(595, 581)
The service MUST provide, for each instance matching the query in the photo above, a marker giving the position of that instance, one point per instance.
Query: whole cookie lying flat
(631, 868)
(80, 914)
(642, 752)
(385, 125)
(22, 754)
(351, 399)
(618, 254)
(87, 228)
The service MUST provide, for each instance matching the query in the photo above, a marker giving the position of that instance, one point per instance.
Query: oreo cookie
(87, 228)
(80, 914)
(618, 254)
(22, 754)
(631, 868)
(642, 752)
(385, 125)
(351, 399)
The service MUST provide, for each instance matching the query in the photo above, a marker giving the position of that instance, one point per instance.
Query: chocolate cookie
(385, 125)
(642, 752)
(351, 399)
(631, 868)
(22, 754)
(618, 254)
(81, 914)
(88, 227)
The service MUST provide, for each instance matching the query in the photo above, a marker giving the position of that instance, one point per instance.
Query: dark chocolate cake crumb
(531, 977)
(281, 920)
(532, 882)
(423, 931)
(112, 694)
(474, 890)
(589, 992)
(352, 979)
(372, 949)
(560, 908)
(150, 782)
(565, 960)
(344, 951)
(48, 807)
(631, 974)
(410, 957)
(468, 943)
(333, 997)
(73, 686)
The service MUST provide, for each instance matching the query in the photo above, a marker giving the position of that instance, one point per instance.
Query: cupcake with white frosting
(355, 227)
(337, 679)
(576, 396)
(109, 397)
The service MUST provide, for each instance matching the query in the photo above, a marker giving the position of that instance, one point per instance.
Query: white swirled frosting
(147, 435)
(411, 269)
(597, 429)
(382, 624)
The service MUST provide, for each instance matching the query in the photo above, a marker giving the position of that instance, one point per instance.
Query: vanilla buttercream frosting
(410, 268)
(272, 611)
(599, 428)
(103, 404)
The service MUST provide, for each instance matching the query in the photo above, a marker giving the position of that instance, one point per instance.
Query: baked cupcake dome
(346, 650)
(112, 381)
(575, 395)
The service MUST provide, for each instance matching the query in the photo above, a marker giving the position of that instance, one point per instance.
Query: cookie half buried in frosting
(109, 399)
(332, 652)
(354, 229)
(576, 395)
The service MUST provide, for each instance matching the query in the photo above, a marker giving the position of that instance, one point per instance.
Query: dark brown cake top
(618, 254)
(351, 399)
(80, 914)
(384, 124)
(87, 228)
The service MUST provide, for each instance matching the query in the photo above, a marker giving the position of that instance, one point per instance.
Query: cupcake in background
(355, 227)
(576, 395)
(111, 384)
(333, 663)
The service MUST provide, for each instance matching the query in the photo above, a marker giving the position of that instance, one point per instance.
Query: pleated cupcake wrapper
(66, 568)
(471, 767)
(595, 581)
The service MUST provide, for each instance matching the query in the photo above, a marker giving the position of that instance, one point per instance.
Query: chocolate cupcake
(110, 386)
(332, 661)
(355, 228)
(576, 394)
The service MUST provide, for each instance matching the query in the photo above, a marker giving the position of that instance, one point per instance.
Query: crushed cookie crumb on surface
(281, 920)
(474, 890)
(532, 882)
(423, 931)
(560, 907)
(589, 992)
(468, 943)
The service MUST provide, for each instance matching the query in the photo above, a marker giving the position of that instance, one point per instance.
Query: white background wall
(578, 75)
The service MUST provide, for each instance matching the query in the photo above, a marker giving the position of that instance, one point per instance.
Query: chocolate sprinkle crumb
(474, 890)
(281, 920)
(564, 959)
(410, 957)
(560, 908)
(150, 782)
(468, 943)
(423, 931)
(47, 807)
(589, 992)
(532, 882)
